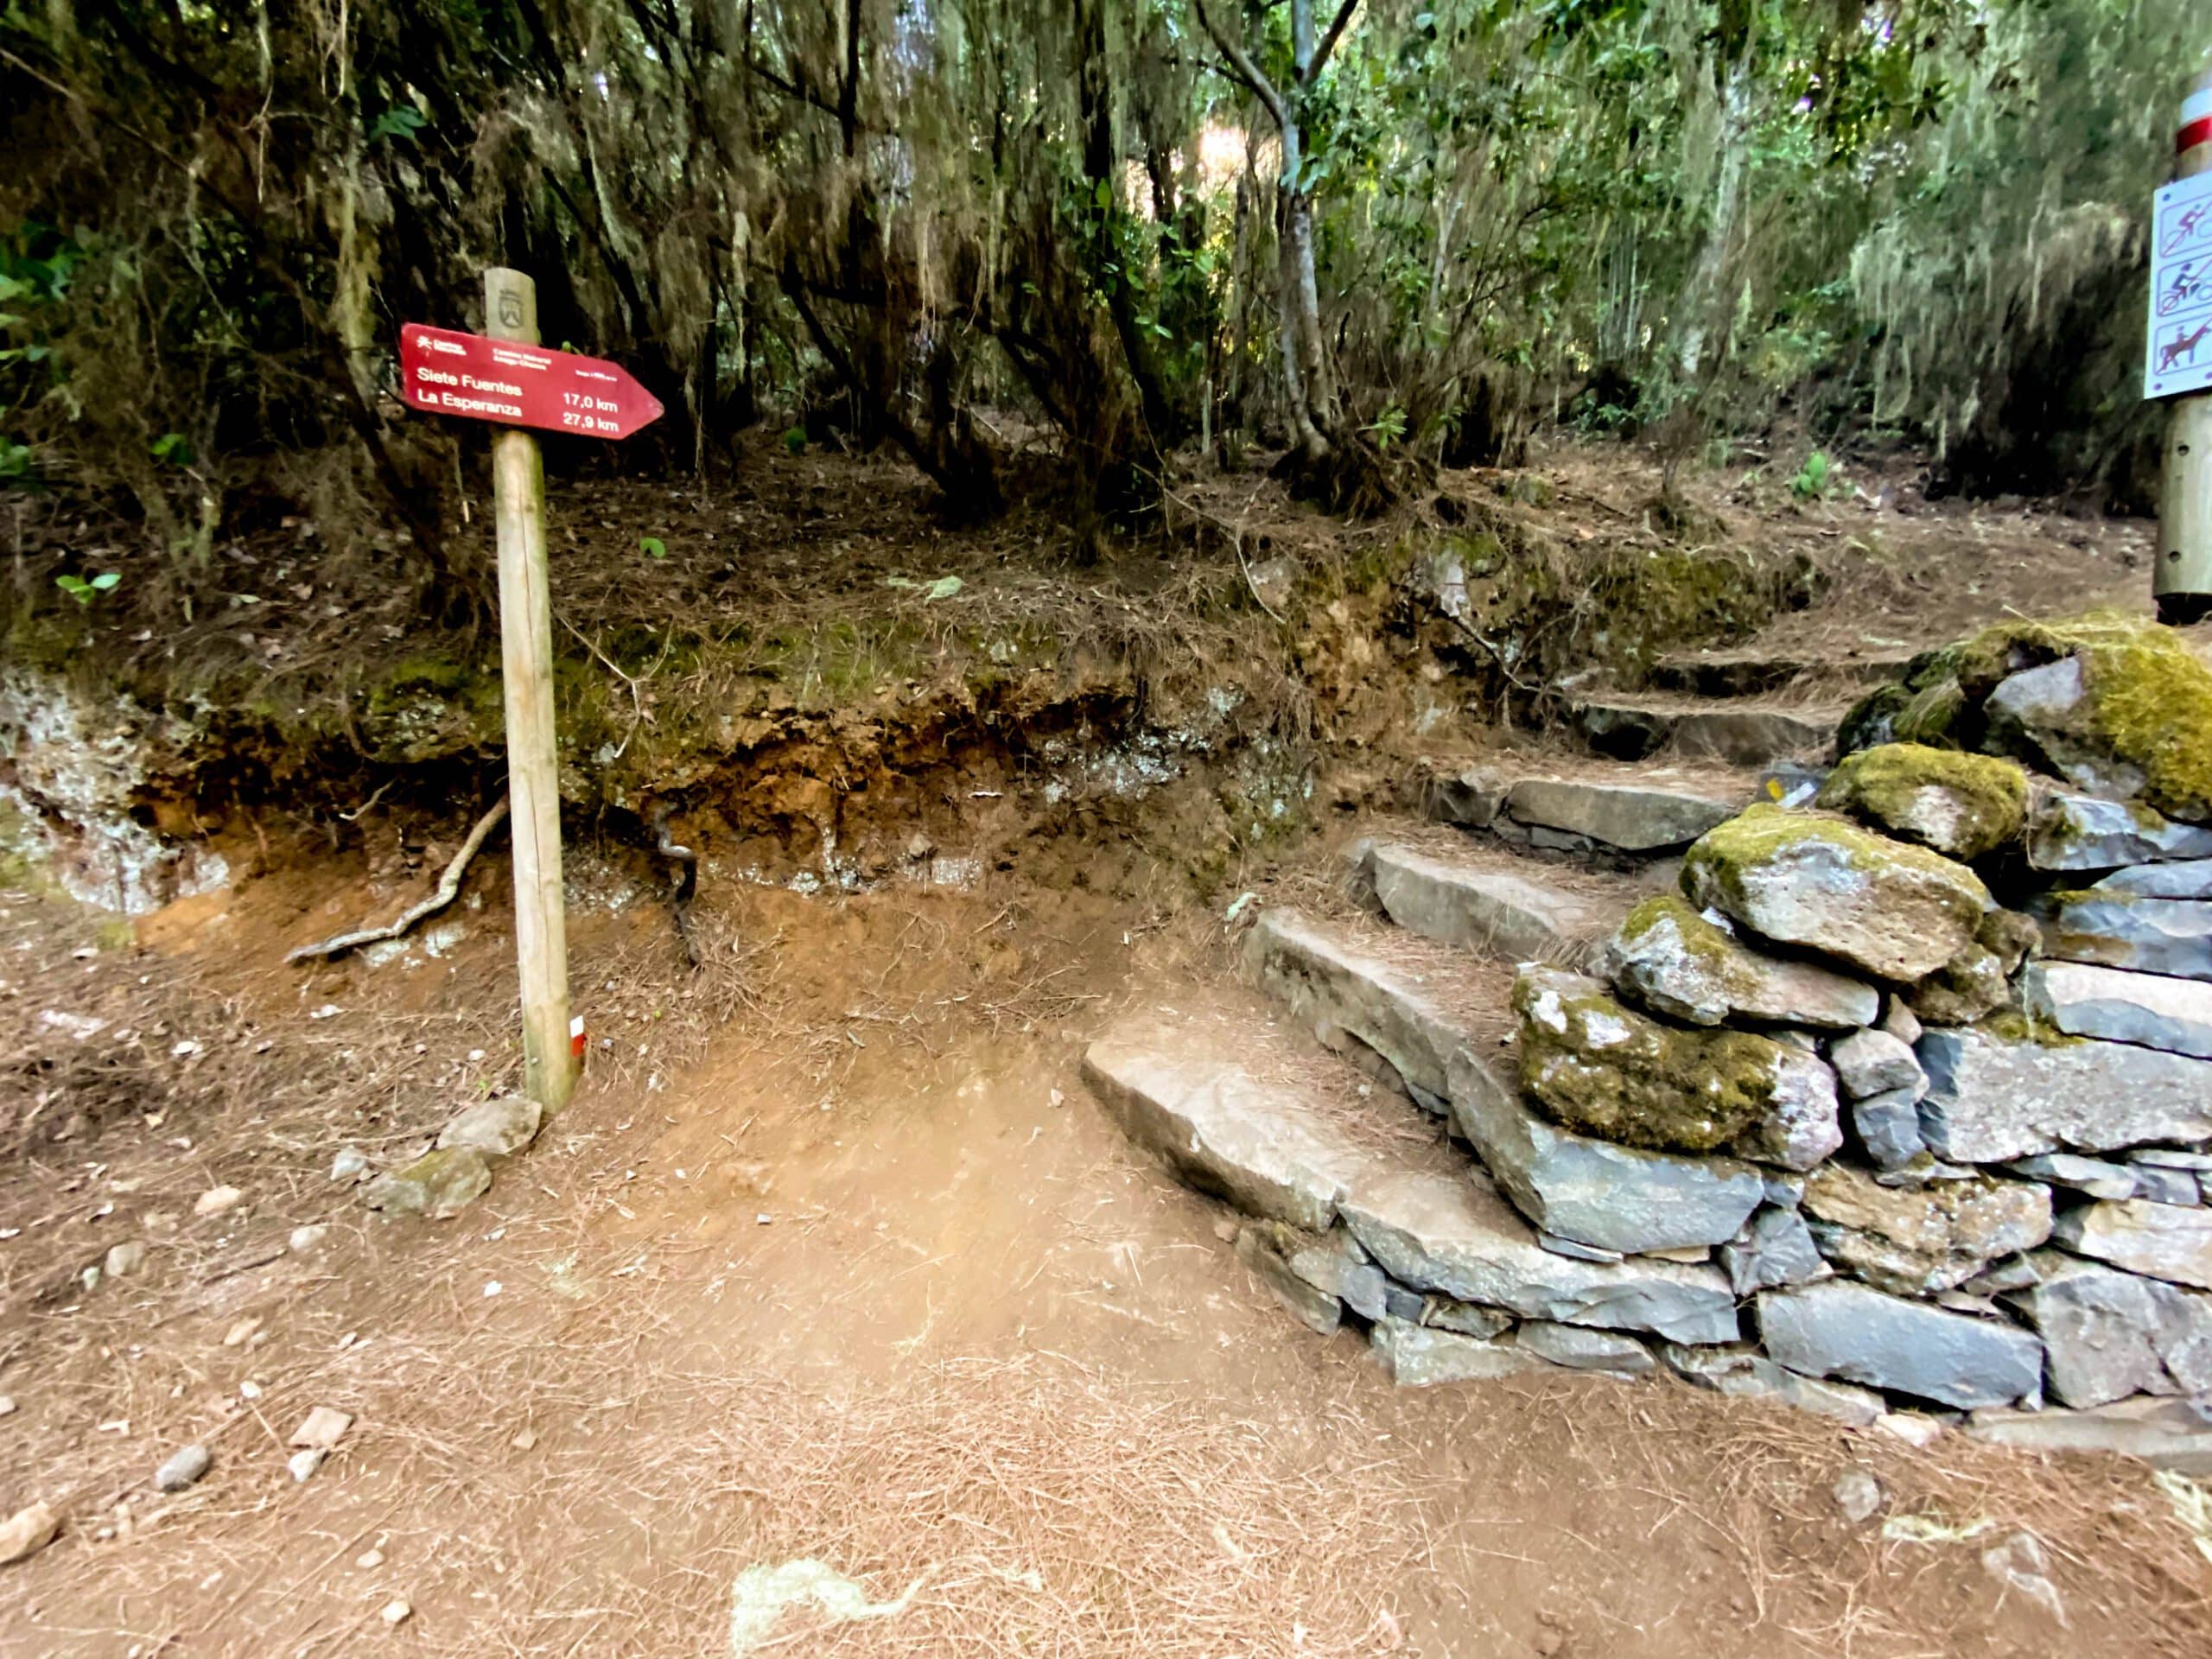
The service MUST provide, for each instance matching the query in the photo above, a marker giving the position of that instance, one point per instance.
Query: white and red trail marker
(445, 372)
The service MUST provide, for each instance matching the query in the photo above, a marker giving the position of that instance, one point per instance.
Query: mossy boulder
(1825, 885)
(2114, 703)
(1672, 960)
(1607, 1071)
(1960, 805)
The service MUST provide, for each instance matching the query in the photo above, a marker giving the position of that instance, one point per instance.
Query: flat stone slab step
(1484, 905)
(1639, 810)
(1213, 1096)
(1751, 671)
(1433, 1028)
(1741, 733)
(1395, 1005)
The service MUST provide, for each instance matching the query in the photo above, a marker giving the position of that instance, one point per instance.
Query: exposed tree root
(448, 889)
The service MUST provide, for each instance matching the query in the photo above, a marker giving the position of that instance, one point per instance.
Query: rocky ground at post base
(1889, 1095)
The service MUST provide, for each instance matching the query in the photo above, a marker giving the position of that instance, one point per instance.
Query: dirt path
(844, 1264)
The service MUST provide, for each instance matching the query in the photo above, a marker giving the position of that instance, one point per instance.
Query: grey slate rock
(1315, 1308)
(1684, 965)
(1459, 1237)
(1875, 1063)
(1839, 1328)
(2161, 1241)
(2118, 930)
(1990, 1100)
(1398, 1303)
(2169, 1186)
(498, 1127)
(1418, 1356)
(1900, 1022)
(1575, 1249)
(2150, 1010)
(1626, 817)
(1338, 1267)
(1741, 1371)
(1223, 1130)
(1591, 1191)
(1445, 1313)
(1473, 798)
(1888, 1127)
(1338, 990)
(2174, 1434)
(2191, 880)
(2082, 832)
(2108, 1334)
(1583, 1350)
(1778, 1250)
(2096, 1177)
(1492, 912)
(184, 1468)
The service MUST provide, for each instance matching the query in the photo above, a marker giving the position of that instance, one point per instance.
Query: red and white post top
(2195, 117)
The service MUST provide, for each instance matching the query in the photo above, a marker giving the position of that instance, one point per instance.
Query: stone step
(1434, 1026)
(1741, 733)
(1635, 809)
(1751, 671)
(1495, 906)
(1396, 1006)
(1217, 1099)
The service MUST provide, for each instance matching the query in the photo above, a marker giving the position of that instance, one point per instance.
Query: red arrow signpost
(504, 375)
(444, 372)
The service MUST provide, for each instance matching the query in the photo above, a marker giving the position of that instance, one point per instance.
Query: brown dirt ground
(834, 1258)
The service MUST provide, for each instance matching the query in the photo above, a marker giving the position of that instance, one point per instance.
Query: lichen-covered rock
(498, 1127)
(2080, 832)
(2107, 1334)
(1971, 986)
(1827, 885)
(1672, 960)
(2116, 704)
(2162, 1241)
(1994, 1097)
(1875, 1063)
(2119, 930)
(1777, 1248)
(1610, 1071)
(436, 1186)
(1959, 805)
(2150, 1010)
(1914, 1241)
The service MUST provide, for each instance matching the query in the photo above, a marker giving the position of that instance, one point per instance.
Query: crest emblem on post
(509, 309)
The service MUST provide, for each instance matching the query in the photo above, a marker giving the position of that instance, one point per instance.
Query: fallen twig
(448, 889)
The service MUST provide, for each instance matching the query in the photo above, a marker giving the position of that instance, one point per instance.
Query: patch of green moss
(2014, 1026)
(1759, 834)
(2149, 696)
(1979, 802)
(428, 708)
(1621, 1075)
(1932, 716)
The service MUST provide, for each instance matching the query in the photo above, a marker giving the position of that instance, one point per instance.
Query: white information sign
(2181, 289)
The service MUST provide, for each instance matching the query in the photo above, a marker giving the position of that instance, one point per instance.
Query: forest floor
(834, 1259)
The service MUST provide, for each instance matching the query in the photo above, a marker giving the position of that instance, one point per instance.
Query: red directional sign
(444, 372)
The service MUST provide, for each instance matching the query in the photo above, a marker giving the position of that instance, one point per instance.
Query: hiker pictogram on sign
(2180, 355)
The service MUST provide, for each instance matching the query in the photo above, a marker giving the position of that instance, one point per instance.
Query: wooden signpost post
(2180, 365)
(504, 375)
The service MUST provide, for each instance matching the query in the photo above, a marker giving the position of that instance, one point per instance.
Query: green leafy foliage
(1813, 479)
(84, 591)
